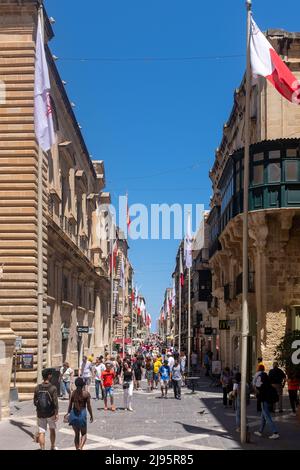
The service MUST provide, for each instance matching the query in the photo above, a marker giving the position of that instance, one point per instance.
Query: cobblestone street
(197, 422)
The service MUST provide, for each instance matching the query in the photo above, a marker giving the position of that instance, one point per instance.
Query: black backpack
(44, 403)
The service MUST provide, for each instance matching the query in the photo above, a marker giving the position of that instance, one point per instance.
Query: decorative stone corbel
(286, 222)
(258, 230)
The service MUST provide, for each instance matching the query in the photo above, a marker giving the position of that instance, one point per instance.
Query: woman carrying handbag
(77, 415)
(127, 378)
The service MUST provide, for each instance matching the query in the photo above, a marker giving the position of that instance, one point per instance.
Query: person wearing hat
(80, 401)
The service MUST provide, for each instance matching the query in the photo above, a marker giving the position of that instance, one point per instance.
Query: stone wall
(18, 180)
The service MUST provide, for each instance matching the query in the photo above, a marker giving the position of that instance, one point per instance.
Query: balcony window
(291, 153)
(274, 173)
(274, 155)
(258, 175)
(258, 157)
(291, 171)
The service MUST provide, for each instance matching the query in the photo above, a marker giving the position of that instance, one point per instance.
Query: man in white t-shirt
(86, 372)
(171, 361)
(98, 369)
(66, 378)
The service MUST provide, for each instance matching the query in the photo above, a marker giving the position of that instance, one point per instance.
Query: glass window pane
(274, 154)
(258, 174)
(258, 157)
(291, 153)
(291, 171)
(274, 173)
(237, 182)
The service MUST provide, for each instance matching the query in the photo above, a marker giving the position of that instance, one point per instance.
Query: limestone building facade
(76, 277)
(274, 270)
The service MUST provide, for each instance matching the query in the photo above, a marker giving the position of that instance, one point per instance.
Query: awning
(120, 341)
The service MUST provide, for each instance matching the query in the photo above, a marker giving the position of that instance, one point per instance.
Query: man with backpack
(46, 403)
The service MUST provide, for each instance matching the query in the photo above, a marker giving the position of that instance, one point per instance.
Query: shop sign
(224, 325)
(27, 361)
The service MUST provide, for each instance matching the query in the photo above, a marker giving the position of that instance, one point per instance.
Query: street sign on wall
(83, 329)
(18, 345)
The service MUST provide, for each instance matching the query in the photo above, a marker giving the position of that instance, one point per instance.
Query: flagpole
(245, 322)
(123, 325)
(111, 295)
(131, 303)
(179, 308)
(189, 322)
(40, 315)
(123, 303)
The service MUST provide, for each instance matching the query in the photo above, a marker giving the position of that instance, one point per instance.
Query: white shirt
(66, 376)
(98, 371)
(87, 370)
(171, 362)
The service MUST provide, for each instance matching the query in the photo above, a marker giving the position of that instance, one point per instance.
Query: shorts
(164, 383)
(108, 392)
(44, 422)
(138, 375)
(156, 377)
(87, 380)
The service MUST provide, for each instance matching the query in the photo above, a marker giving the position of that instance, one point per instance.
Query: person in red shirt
(108, 376)
(293, 387)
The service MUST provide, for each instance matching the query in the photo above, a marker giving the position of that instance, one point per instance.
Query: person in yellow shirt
(91, 359)
(259, 363)
(157, 365)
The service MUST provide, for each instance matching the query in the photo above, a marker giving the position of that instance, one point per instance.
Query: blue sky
(156, 124)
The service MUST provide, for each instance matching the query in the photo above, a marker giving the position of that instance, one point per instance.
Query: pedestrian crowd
(268, 390)
(162, 370)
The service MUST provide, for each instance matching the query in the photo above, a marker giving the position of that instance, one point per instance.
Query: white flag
(43, 119)
(122, 276)
(188, 244)
(173, 294)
